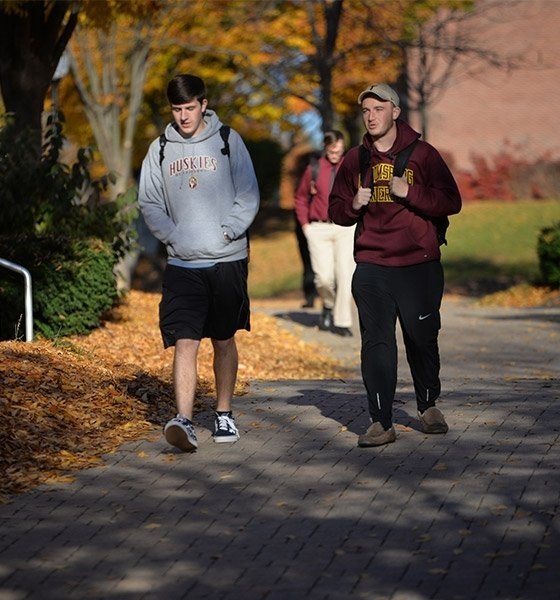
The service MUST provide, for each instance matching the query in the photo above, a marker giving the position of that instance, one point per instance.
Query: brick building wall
(483, 115)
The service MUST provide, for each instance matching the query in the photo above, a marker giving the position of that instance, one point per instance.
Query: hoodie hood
(212, 126)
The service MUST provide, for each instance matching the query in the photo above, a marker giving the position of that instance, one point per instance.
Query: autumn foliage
(509, 175)
(67, 403)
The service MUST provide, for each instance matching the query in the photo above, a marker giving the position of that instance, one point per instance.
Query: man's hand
(398, 186)
(312, 189)
(361, 198)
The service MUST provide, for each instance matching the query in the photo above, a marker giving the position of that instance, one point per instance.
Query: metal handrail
(28, 295)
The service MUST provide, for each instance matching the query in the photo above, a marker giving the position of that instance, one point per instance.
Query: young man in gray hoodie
(199, 195)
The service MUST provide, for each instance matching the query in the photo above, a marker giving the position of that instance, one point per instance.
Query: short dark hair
(185, 88)
(332, 136)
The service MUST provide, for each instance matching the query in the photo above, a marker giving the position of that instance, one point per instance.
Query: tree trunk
(31, 43)
(113, 124)
(324, 56)
(402, 87)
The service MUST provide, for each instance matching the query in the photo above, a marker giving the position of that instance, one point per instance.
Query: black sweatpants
(413, 296)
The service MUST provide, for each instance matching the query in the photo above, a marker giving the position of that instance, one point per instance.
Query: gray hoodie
(198, 194)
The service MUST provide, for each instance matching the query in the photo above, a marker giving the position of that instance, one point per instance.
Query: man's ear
(204, 104)
(396, 112)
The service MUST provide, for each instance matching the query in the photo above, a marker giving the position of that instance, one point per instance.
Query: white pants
(331, 248)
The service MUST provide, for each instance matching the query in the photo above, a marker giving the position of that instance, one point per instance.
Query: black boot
(342, 331)
(309, 301)
(326, 319)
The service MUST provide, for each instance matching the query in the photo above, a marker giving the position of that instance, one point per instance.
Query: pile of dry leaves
(64, 404)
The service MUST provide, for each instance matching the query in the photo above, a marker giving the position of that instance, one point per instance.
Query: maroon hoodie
(391, 231)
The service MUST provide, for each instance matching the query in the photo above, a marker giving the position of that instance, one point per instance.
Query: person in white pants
(331, 246)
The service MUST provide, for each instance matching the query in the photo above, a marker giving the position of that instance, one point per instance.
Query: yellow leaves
(67, 404)
(439, 467)
(523, 295)
(102, 13)
(403, 428)
(498, 509)
(57, 478)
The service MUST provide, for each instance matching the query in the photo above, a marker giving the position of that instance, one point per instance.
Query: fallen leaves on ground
(523, 295)
(64, 404)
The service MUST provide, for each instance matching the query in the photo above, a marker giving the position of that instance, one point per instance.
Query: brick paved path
(295, 510)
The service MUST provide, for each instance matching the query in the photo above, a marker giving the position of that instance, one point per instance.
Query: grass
(491, 246)
(275, 266)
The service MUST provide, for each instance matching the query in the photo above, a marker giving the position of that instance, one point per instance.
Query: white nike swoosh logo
(422, 317)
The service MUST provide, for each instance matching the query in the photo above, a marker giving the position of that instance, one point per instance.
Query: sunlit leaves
(66, 403)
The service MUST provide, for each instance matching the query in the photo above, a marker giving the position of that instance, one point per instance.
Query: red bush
(507, 177)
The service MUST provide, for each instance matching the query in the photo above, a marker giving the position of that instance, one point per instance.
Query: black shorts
(196, 303)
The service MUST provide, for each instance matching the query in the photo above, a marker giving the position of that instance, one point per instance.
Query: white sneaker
(225, 429)
(179, 432)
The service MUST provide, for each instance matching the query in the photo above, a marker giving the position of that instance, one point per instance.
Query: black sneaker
(225, 429)
(179, 432)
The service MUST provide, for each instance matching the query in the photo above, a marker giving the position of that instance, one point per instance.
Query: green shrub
(72, 280)
(45, 196)
(548, 250)
(56, 221)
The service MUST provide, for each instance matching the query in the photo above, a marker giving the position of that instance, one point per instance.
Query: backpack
(224, 134)
(399, 166)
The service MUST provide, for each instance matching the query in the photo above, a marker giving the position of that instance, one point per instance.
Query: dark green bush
(45, 196)
(56, 222)
(73, 284)
(548, 250)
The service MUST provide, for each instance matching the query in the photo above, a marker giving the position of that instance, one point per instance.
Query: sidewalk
(295, 510)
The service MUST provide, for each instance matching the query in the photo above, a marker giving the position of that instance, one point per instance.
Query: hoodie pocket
(195, 241)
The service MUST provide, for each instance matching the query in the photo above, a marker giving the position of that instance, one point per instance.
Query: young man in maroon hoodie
(398, 273)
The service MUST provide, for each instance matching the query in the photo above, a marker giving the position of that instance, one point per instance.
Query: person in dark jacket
(398, 273)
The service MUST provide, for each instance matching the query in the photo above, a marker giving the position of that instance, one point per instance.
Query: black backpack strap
(402, 158)
(224, 134)
(162, 142)
(314, 163)
(364, 158)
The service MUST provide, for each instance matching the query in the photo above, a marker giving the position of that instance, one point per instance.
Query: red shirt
(315, 208)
